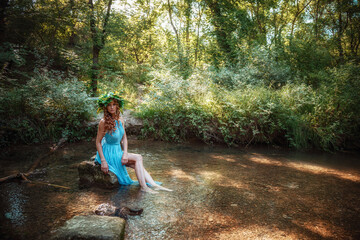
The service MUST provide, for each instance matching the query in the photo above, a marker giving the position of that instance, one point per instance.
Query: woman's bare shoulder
(102, 122)
(122, 120)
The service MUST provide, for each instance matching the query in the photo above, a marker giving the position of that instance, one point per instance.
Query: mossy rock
(91, 227)
(90, 174)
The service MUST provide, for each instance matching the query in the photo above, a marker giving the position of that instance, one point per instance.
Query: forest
(235, 72)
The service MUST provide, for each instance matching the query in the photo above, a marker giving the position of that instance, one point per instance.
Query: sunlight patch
(255, 232)
(223, 157)
(322, 228)
(178, 173)
(305, 167)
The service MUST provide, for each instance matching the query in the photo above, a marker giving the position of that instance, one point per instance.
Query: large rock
(133, 125)
(92, 227)
(90, 174)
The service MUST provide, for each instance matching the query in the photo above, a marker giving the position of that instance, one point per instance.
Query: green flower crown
(106, 98)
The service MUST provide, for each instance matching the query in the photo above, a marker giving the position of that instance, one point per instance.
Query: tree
(98, 39)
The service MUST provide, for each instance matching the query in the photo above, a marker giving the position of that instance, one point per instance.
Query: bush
(261, 67)
(336, 116)
(48, 107)
(295, 115)
(175, 109)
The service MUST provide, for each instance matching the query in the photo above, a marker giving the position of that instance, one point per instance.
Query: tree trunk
(222, 36)
(71, 41)
(296, 16)
(98, 44)
(3, 6)
(316, 27)
(95, 69)
(197, 37)
(178, 42)
(340, 33)
(187, 30)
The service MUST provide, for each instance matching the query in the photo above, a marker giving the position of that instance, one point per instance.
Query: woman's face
(111, 107)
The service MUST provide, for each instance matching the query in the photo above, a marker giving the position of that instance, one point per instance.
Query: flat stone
(90, 174)
(91, 227)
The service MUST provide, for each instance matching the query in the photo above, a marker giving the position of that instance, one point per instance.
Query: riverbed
(219, 193)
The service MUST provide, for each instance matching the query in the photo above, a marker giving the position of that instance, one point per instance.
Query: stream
(219, 193)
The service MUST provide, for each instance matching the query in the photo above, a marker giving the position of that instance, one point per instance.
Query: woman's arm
(124, 143)
(99, 137)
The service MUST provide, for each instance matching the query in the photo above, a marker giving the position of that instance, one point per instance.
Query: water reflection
(219, 193)
(15, 199)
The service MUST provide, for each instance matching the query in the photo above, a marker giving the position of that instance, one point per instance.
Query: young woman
(112, 146)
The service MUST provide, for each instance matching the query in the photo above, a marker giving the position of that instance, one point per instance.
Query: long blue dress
(113, 153)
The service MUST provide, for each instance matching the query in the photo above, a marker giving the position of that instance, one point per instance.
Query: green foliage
(296, 115)
(239, 72)
(309, 60)
(337, 115)
(173, 108)
(260, 67)
(105, 99)
(50, 106)
(9, 53)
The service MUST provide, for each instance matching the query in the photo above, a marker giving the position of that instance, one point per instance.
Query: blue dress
(113, 153)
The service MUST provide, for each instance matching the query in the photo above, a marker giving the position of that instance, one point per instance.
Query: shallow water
(219, 193)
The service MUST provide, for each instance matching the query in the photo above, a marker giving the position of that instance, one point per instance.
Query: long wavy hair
(110, 125)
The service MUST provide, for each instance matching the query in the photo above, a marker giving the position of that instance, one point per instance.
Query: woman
(112, 146)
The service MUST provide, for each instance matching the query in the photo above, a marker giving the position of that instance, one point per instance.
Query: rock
(90, 174)
(106, 209)
(91, 227)
(133, 125)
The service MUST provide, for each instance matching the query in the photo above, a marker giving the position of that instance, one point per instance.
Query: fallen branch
(49, 184)
(12, 176)
(24, 176)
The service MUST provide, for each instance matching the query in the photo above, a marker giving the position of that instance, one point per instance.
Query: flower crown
(106, 98)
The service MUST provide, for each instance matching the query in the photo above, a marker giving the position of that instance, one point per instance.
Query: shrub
(261, 67)
(295, 114)
(47, 107)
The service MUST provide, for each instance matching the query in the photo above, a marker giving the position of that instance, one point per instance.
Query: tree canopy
(106, 44)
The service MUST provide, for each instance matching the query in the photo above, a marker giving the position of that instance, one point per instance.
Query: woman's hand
(104, 167)
(124, 159)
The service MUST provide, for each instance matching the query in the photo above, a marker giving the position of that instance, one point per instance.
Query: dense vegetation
(239, 72)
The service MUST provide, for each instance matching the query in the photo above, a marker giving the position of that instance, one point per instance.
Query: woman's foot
(158, 187)
(148, 190)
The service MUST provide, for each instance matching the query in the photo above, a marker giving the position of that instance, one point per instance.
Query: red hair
(110, 125)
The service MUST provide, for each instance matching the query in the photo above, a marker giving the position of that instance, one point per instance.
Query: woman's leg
(136, 161)
(147, 176)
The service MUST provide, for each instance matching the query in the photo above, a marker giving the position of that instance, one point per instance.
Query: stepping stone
(90, 174)
(92, 227)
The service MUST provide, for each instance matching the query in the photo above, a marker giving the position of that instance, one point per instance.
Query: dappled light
(255, 232)
(246, 112)
(223, 157)
(219, 193)
(221, 179)
(211, 176)
(84, 202)
(178, 173)
(321, 227)
(305, 167)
